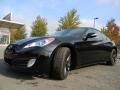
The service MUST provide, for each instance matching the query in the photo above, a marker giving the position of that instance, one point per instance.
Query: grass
(118, 57)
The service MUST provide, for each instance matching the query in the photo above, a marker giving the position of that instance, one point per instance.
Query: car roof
(81, 28)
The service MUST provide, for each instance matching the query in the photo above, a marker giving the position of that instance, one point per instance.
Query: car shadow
(7, 71)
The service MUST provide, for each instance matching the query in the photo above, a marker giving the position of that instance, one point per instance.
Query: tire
(112, 58)
(61, 63)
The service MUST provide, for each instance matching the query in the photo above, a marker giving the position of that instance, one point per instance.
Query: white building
(5, 27)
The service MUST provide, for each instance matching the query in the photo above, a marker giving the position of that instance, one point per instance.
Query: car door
(106, 47)
(89, 50)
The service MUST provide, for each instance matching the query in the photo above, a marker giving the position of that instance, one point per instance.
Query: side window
(105, 37)
(100, 37)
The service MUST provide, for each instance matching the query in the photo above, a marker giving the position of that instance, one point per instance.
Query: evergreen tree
(70, 20)
(17, 34)
(39, 27)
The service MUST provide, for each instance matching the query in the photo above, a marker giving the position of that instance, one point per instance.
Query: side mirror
(90, 35)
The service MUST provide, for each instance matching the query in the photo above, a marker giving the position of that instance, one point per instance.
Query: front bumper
(19, 60)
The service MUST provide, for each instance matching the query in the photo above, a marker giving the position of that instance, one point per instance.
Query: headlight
(40, 43)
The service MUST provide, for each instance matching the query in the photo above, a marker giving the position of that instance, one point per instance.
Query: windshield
(68, 32)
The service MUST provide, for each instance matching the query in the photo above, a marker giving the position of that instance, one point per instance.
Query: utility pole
(94, 21)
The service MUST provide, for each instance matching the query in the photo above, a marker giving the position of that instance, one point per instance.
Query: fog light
(31, 62)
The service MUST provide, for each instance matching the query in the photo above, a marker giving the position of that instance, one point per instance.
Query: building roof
(10, 24)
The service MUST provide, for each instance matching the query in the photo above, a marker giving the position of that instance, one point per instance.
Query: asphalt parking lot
(96, 77)
(2, 48)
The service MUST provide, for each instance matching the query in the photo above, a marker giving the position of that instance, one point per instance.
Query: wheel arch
(114, 47)
(72, 49)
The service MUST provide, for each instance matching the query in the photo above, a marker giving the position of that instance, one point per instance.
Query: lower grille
(20, 63)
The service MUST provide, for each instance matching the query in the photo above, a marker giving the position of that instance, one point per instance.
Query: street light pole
(94, 21)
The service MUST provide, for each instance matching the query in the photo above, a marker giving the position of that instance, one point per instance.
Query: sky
(25, 11)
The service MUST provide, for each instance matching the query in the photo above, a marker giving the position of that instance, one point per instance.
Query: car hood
(21, 43)
(28, 40)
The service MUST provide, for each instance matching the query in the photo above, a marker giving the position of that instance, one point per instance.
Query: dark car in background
(61, 52)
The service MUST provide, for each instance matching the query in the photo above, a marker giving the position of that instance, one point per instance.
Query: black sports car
(61, 52)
